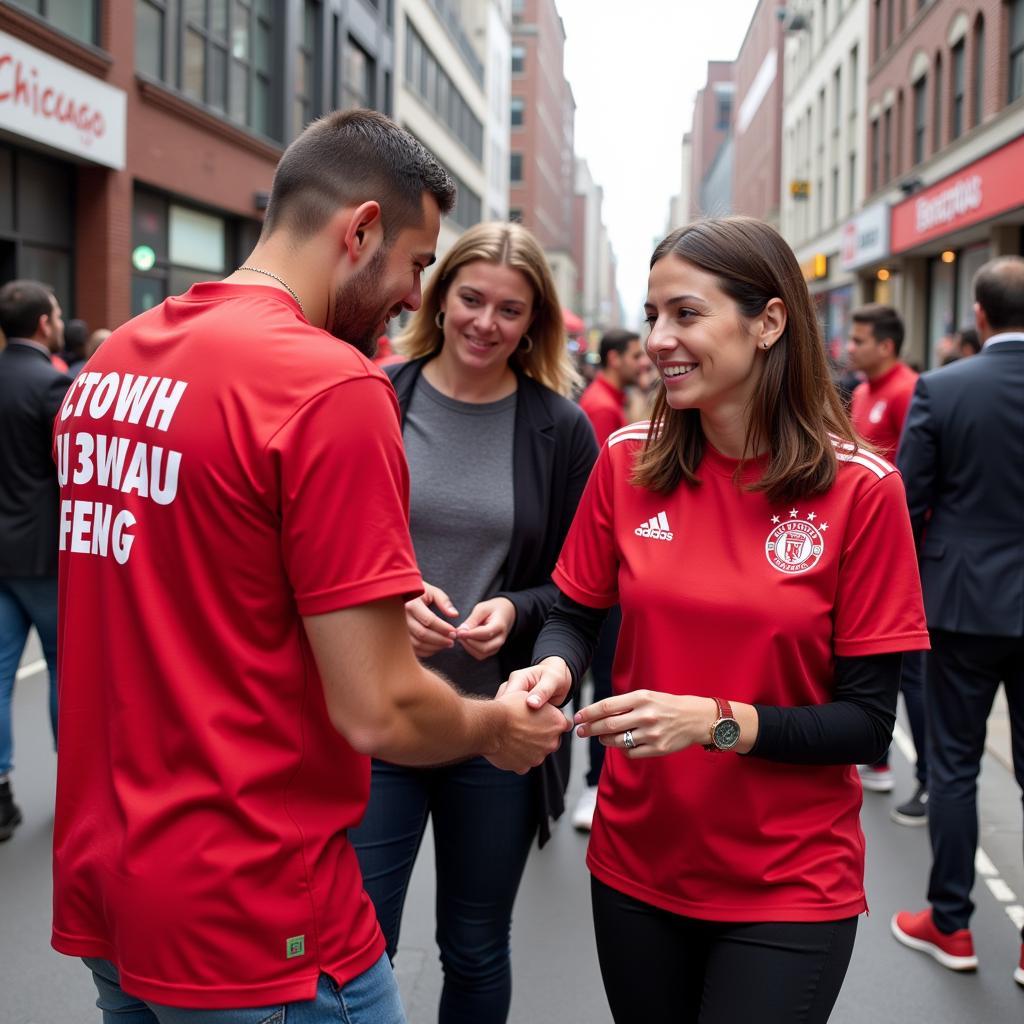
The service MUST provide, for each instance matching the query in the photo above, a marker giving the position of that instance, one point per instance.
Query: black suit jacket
(31, 391)
(962, 459)
(553, 452)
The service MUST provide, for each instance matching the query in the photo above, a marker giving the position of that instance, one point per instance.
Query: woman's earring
(764, 345)
(528, 347)
(439, 320)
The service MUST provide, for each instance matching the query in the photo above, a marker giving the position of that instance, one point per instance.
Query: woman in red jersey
(764, 564)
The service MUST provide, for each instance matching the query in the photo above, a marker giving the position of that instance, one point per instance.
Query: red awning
(573, 324)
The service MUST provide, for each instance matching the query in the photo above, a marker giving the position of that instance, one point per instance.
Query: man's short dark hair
(350, 157)
(970, 343)
(76, 336)
(999, 290)
(22, 303)
(616, 340)
(884, 321)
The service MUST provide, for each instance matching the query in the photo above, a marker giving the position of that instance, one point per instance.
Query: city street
(555, 966)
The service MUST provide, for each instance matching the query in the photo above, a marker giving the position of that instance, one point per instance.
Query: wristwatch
(725, 730)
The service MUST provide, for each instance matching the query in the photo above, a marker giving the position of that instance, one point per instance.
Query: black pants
(912, 687)
(963, 675)
(661, 968)
(601, 673)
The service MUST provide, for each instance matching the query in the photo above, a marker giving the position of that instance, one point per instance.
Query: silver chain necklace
(284, 284)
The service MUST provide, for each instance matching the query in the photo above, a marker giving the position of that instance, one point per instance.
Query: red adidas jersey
(226, 469)
(727, 594)
(879, 407)
(605, 406)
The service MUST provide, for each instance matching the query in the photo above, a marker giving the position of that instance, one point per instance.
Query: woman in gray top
(498, 458)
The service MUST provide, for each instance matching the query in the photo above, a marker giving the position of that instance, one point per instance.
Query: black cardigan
(553, 452)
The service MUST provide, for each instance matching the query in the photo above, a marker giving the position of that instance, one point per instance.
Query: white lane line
(31, 669)
(982, 861)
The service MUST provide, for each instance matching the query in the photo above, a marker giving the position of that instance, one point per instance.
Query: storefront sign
(44, 99)
(865, 238)
(815, 267)
(986, 188)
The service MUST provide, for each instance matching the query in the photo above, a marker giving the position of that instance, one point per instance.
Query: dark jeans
(601, 674)
(963, 675)
(484, 822)
(912, 687)
(661, 968)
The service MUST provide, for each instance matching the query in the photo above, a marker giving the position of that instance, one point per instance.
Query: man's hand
(484, 633)
(428, 632)
(528, 735)
(548, 682)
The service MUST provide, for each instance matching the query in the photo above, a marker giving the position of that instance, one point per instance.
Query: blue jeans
(371, 998)
(484, 823)
(25, 603)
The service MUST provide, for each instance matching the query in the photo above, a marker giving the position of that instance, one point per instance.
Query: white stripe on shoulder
(632, 432)
(860, 460)
(845, 447)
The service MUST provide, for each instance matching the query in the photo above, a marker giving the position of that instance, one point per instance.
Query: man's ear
(362, 231)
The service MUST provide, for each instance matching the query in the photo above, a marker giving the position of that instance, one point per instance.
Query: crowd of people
(319, 603)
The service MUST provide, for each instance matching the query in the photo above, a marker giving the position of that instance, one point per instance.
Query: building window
(878, 30)
(424, 75)
(851, 184)
(304, 105)
(518, 60)
(875, 154)
(1016, 33)
(837, 99)
(723, 113)
(515, 215)
(468, 209)
(957, 87)
(517, 112)
(890, 22)
(356, 77)
(920, 117)
(854, 90)
(937, 105)
(887, 146)
(78, 18)
(978, 97)
(217, 53)
(181, 245)
(515, 168)
(901, 122)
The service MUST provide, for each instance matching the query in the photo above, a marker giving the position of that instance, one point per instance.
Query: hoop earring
(439, 320)
(528, 348)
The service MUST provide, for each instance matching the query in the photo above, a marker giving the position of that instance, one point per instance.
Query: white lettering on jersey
(656, 528)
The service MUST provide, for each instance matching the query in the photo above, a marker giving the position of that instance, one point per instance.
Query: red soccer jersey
(727, 594)
(605, 406)
(226, 469)
(879, 407)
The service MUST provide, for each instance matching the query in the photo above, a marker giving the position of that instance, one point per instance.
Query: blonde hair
(510, 245)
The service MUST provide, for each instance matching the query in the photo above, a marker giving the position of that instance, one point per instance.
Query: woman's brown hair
(796, 411)
(547, 359)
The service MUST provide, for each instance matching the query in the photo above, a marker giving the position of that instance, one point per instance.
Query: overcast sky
(635, 68)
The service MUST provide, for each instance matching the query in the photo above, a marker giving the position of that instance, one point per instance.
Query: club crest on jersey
(794, 544)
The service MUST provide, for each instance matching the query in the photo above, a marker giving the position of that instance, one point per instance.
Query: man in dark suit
(31, 391)
(962, 459)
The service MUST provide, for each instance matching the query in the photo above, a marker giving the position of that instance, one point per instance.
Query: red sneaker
(918, 931)
(1018, 974)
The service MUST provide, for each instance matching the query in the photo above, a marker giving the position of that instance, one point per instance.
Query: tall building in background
(194, 104)
(596, 298)
(442, 50)
(944, 150)
(822, 151)
(679, 205)
(757, 121)
(541, 167)
(711, 144)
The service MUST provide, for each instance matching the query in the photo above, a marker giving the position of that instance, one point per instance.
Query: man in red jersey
(878, 409)
(604, 400)
(234, 544)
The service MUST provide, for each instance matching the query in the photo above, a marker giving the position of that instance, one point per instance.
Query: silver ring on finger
(627, 739)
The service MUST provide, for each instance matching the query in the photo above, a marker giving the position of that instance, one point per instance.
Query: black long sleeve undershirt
(855, 727)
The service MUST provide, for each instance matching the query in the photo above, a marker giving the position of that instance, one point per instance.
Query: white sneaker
(583, 813)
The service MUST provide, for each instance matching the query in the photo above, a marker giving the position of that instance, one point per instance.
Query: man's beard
(358, 317)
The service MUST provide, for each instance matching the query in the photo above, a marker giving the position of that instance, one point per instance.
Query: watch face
(727, 734)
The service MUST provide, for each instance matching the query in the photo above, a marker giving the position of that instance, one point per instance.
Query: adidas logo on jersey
(656, 528)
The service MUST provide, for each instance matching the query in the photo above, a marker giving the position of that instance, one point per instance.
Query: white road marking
(31, 669)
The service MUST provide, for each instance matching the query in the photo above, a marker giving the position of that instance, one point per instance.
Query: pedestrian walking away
(235, 559)
(604, 401)
(961, 457)
(484, 394)
(878, 409)
(765, 568)
(31, 390)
